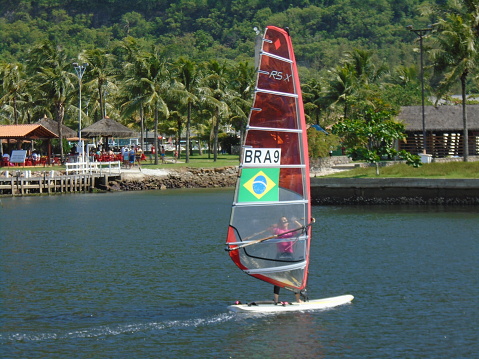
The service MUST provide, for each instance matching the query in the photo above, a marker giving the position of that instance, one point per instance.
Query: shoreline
(324, 190)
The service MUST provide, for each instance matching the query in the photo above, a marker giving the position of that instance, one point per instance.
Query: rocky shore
(183, 178)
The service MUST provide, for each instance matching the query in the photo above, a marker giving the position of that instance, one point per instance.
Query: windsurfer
(285, 248)
(282, 230)
(276, 290)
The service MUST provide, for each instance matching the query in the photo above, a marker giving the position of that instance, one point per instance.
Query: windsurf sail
(273, 183)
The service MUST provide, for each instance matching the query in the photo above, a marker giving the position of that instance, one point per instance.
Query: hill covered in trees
(188, 65)
(204, 29)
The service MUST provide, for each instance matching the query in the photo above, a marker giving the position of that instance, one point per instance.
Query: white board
(18, 156)
(323, 303)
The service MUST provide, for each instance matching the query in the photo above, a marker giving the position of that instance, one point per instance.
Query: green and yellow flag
(259, 185)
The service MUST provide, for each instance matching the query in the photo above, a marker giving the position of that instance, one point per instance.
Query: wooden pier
(20, 186)
(78, 178)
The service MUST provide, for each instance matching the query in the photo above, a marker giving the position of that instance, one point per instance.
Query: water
(144, 275)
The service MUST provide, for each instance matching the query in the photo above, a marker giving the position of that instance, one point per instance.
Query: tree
(133, 88)
(355, 80)
(221, 97)
(320, 144)
(313, 100)
(455, 56)
(101, 73)
(189, 76)
(14, 88)
(54, 79)
(370, 136)
(242, 82)
(160, 87)
(402, 86)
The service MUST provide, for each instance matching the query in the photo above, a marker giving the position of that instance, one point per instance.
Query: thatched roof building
(441, 118)
(52, 125)
(108, 128)
(444, 129)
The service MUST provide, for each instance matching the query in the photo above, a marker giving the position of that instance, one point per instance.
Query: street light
(421, 33)
(80, 70)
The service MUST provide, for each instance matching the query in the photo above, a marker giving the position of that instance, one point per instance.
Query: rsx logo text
(278, 75)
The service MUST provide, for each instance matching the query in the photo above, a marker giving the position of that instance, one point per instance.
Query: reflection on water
(142, 274)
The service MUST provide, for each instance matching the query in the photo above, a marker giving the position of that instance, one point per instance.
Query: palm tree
(133, 88)
(354, 81)
(243, 81)
(455, 54)
(341, 88)
(158, 83)
(54, 79)
(313, 100)
(14, 86)
(102, 73)
(366, 69)
(221, 97)
(189, 75)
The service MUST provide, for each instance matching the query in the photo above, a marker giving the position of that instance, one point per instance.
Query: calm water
(144, 275)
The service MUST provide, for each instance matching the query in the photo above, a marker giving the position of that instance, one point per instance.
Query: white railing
(113, 167)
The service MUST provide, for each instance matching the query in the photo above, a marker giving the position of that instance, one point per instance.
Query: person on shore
(162, 154)
(124, 156)
(35, 158)
(138, 154)
(131, 156)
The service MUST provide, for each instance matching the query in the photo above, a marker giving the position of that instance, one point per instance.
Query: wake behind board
(323, 303)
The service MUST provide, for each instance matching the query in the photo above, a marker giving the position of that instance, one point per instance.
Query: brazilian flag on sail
(259, 185)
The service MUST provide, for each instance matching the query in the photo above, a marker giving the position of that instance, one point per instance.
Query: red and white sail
(273, 182)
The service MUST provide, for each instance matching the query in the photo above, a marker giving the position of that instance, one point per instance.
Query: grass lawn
(429, 170)
(196, 161)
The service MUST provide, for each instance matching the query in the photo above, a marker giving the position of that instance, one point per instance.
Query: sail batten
(277, 93)
(270, 226)
(292, 130)
(282, 203)
(300, 265)
(276, 57)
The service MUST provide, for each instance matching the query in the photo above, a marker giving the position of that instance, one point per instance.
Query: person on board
(285, 248)
(282, 230)
(276, 289)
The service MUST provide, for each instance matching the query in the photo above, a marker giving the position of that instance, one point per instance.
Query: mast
(273, 182)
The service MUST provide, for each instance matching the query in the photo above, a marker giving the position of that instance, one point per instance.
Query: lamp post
(80, 70)
(421, 33)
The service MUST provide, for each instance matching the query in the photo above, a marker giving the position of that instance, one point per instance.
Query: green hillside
(203, 29)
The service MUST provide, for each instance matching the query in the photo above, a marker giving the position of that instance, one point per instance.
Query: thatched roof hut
(444, 130)
(108, 128)
(441, 118)
(52, 125)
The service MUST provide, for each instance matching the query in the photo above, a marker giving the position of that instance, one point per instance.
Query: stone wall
(415, 191)
(187, 178)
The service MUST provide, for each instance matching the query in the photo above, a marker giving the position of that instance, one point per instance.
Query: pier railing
(113, 167)
(17, 185)
(78, 177)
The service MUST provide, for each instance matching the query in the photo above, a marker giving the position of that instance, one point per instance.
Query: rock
(184, 178)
